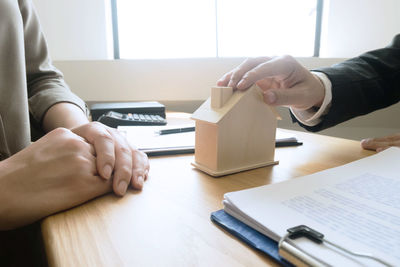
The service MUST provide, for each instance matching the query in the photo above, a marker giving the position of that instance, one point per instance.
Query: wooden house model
(235, 131)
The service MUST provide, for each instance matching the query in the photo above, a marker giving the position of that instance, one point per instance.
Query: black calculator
(115, 119)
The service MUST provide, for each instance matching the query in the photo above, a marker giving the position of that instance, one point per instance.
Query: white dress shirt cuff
(312, 117)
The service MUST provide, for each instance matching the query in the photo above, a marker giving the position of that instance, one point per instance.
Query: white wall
(169, 79)
(351, 27)
(76, 29)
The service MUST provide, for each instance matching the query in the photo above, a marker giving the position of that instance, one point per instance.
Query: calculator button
(115, 119)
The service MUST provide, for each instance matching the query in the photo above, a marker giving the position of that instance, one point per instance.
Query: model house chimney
(220, 95)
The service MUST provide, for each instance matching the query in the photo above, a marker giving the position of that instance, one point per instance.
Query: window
(215, 28)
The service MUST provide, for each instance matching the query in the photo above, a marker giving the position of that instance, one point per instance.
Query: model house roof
(213, 115)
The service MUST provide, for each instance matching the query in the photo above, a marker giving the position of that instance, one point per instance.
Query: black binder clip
(297, 256)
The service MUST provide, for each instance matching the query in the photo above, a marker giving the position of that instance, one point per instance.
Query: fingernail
(365, 141)
(140, 180)
(241, 84)
(107, 170)
(122, 187)
(270, 97)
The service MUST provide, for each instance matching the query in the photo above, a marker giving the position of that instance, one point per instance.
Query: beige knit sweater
(29, 83)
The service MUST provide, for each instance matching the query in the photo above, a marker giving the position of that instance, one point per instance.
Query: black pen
(285, 144)
(176, 130)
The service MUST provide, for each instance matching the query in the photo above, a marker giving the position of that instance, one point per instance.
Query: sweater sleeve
(46, 85)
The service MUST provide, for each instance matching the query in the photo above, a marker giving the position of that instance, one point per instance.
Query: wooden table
(168, 223)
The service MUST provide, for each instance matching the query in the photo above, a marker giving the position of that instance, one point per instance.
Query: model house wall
(237, 136)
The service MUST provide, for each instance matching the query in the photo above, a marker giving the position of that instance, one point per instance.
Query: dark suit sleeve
(362, 85)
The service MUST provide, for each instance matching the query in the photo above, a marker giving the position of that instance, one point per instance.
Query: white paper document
(356, 206)
(147, 137)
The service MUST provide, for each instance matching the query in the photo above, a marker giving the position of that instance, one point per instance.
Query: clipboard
(299, 257)
(250, 236)
(285, 252)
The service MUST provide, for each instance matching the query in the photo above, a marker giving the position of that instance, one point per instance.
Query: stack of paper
(148, 139)
(356, 206)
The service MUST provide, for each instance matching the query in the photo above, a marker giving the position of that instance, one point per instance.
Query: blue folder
(250, 236)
